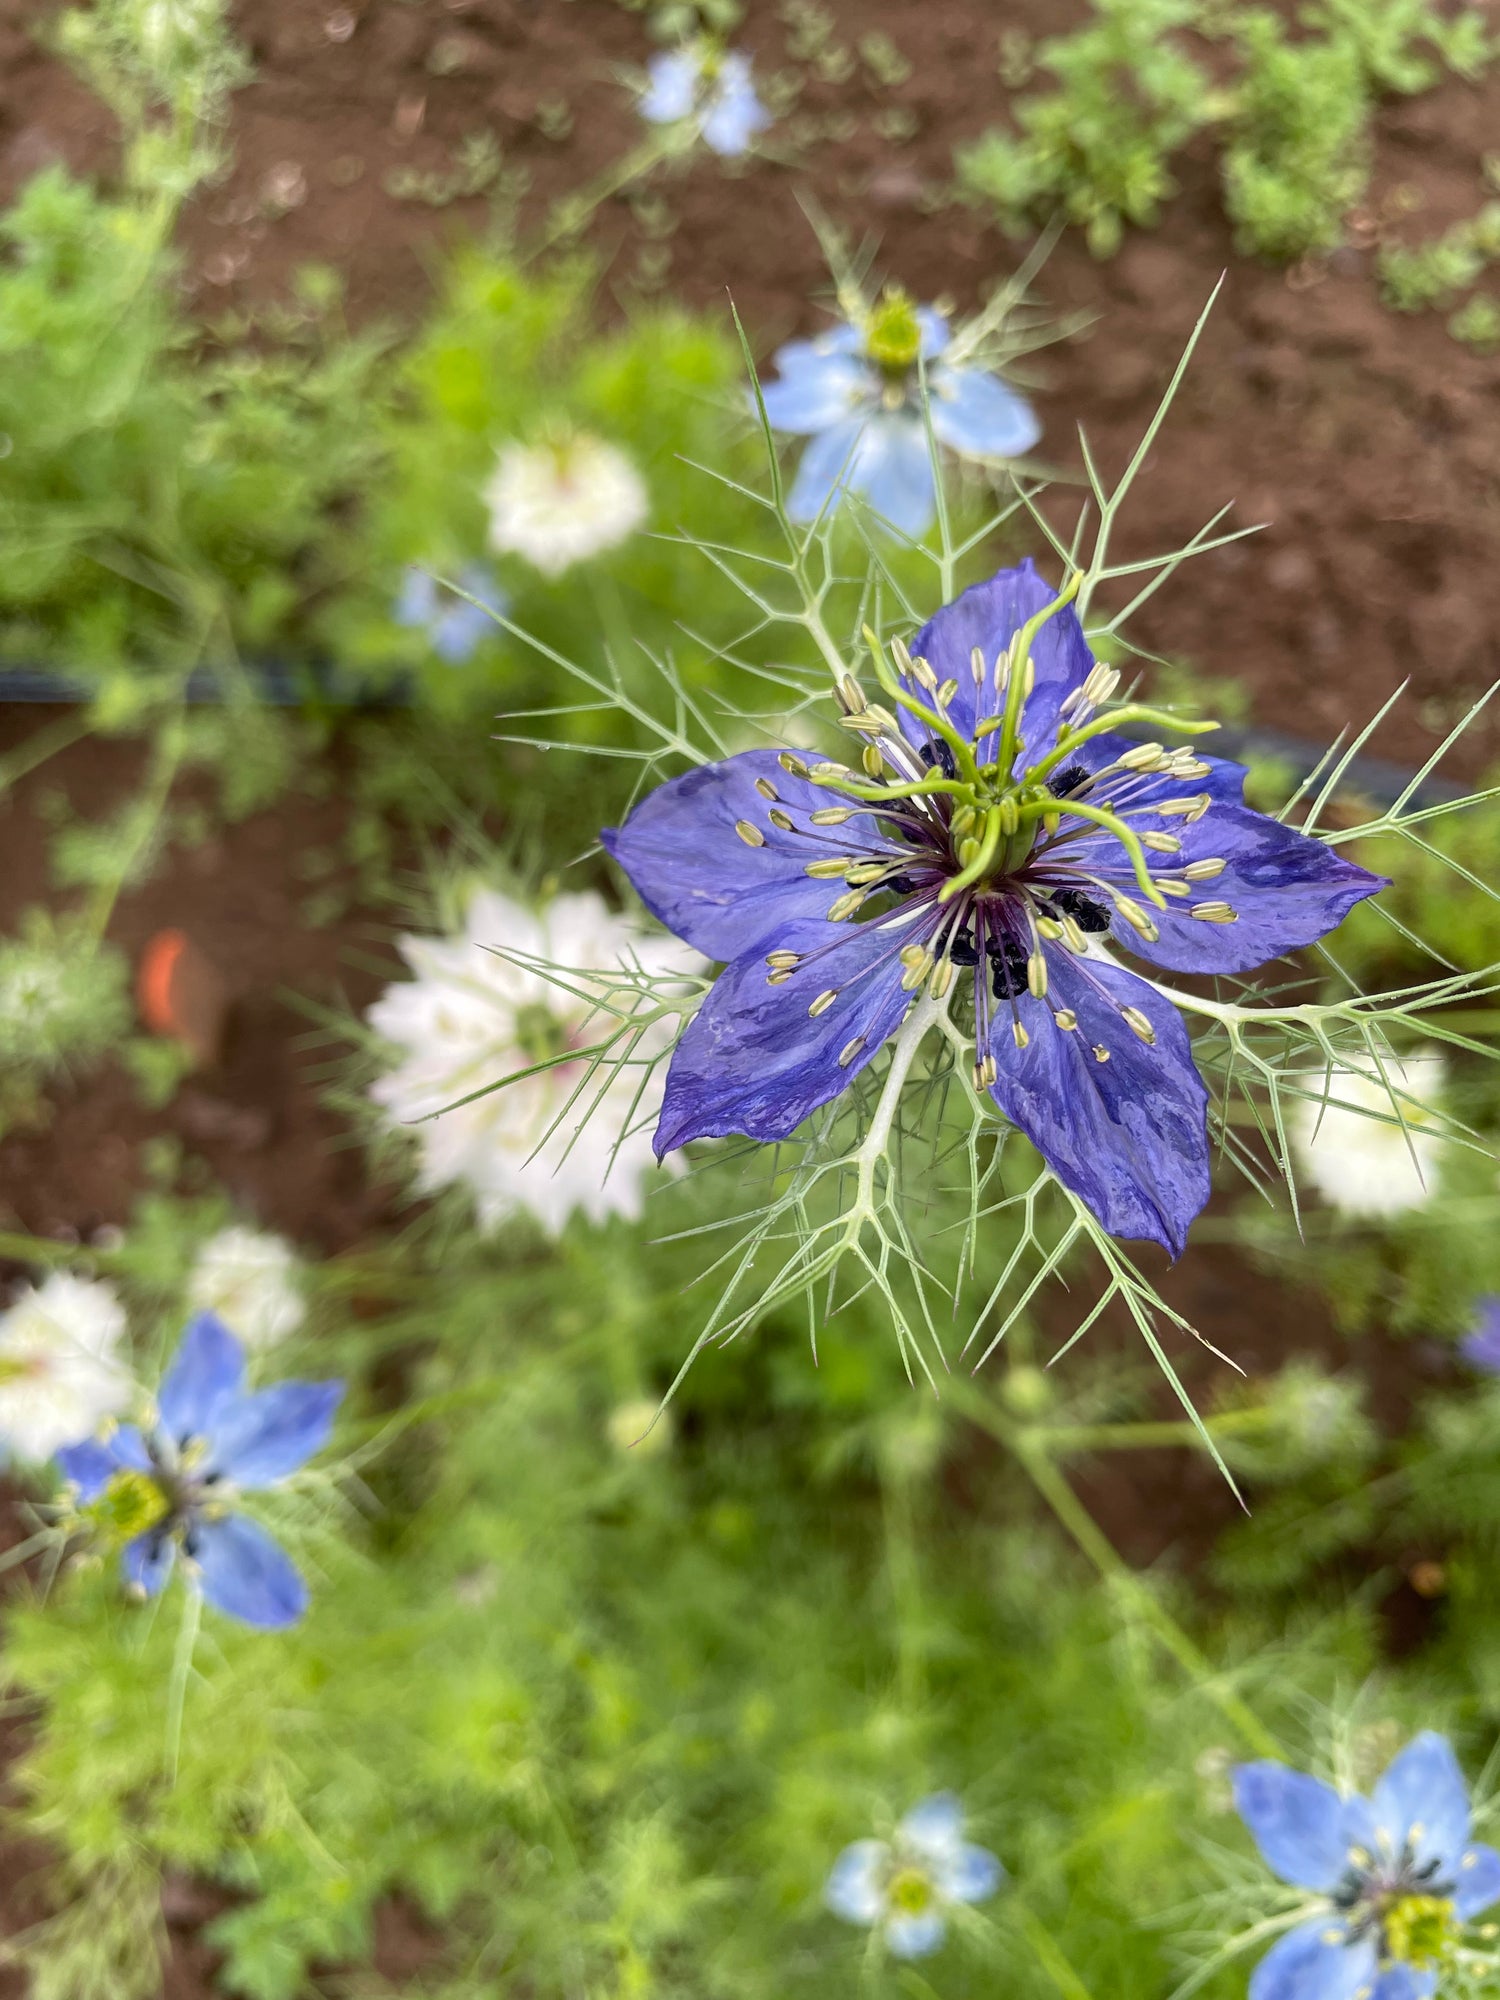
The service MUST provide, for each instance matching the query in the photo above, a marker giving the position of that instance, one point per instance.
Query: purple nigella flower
(703, 83)
(1481, 1348)
(856, 394)
(905, 1888)
(1012, 835)
(454, 626)
(1395, 1874)
(175, 1484)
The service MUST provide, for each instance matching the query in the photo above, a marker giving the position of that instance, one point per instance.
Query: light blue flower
(855, 393)
(174, 1484)
(1481, 1348)
(713, 88)
(906, 1887)
(454, 626)
(1395, 1875)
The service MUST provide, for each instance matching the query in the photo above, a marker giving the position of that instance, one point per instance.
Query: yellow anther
(1144, 757)
(824, 1001)
(828, 871)
(1170, 888)
(847, 905)
(942, 978)
(946, 693)
(976, 664)
(961, 821)
(872, 761)
(1050, 928)
(851, 694)
(766, 789)
(1101, 1053)
(1073, 937)
(1203, 871)
(780, 819)
(828, 770)
(777, 978)
(1066, 1018)
(1138, 1025)
(911, 954)
(751, 835)
(1193, 808)
(922, 673)
(783, 961)
(850, 1050)
(916, 972)
(1036, 976)
(989, 1069)
(1137, 918)
(1162, 843)
(1010, 815)
(831, 815)
(793, 765)
(1021, 1038)
(865, 871)
(1214, 913)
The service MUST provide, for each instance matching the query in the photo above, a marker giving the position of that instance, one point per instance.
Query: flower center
(893, 333)
(130, 1505)
(540, 1036)
(1419, 1930)
(910, 1892)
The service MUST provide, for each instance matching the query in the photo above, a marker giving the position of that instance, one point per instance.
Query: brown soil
(1370, 444)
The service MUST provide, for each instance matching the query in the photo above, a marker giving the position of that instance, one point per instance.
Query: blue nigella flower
(906, 1887)
(454, 626)
(175, 1484)
(1010, 833)
(1481, 1348)
(702, 82)
(1395, 1875)
(856, 394)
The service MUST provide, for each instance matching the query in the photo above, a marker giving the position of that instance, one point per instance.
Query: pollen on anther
(794, 766)
(976, 664)
(1203, 871)
(946, 692)
(1101, 1053)
(766, 789)
(850, 1050)
(1066, 1018)
(780, 819)
(823, 1002)
(751, 835)
(783, 961)
(1163, 843)
(1214, 913)
(1138, 1025)
(831, 815)
(1022, 1039)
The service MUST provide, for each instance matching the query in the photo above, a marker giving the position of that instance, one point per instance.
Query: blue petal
(987, 615)
(933, 328)
(1422, 1798)
(915, 1937)
(1481, 1348)
(93, 1463)
(147, 1561)
(693, 871)
(1315, 1962)
(817, 388)
(1477, 1884)
(735, 113)
(256, 1440)
(245, 1574)
(1129, 1135)
(1300, 1825)
(892, 470)
(976, 415)
(673, 87)
(1404, 1982)
(754, 1061)
(855, 1887)
(933, 1825)
(208, 1369)
(968, 1874)
(418, 598)
(825, 462)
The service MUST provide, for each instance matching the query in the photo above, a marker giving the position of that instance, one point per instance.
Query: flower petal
(821, 475)
(93, 1463)
(1481, 1348)
(755, 1061)
(855, 1886)
(816, 388)
(245, 1573)
(1301, 1826)
(1477, 1885)
(257, 1439)
(209, 1367)
(146, 1563)
(1128, 1133)
(892, 471)
(673, 87)
(987, 615)
(979, 416)
(915, 1936)
(1317, 1961)
(934, 1825)
(968, 1874)
(1404, 1982)
(694, 871)
(735, 114)
(1421, 1797)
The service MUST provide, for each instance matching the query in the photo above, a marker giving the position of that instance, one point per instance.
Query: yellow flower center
(1420, 1930)
(910, 1892)
(893, 333)
(130, 1504)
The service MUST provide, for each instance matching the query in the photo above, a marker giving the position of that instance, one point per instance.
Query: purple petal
(987, 616)
(93, 1463)
(1317, 1961)
(754, 1061)
(1422, 1798)
(258, 1439)
(978, 416)
(1481, 1348)
(1127, 1134)
(208, 1368)
(692, 869)
(817, 388)
(146, 1563)
(245, 1574)
(1477, 1884)
(1301, 1826)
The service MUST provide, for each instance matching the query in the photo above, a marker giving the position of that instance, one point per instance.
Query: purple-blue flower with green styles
(907, 1887)
(855, 394)
(1481, 1348)
(1003, 830)
(172, 1486)
(454, 626)
(711, 86)
(1396, 1875)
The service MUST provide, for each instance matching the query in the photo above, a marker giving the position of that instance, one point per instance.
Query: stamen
(783, 961)
(1203, 871)
(850, 1050)
(766, 789)
(847, 905)
(1193, 808)
(780, 819)
(1066, 1018)
(1036, 976)
(985, 1071)
(1100, 683)
(873, 762)
(1144, 757)
(901, 655)
(916, 971)
(1163, 843)
(1214, 913)
(1101, 1053)
(1137, 919)
(922, 673)
(823, 1002)
(942, 978)
(1138, 1025)
(1170, 888)
(851, 694)
(1022, 1039)
(1049, 928)
(778, 978)
(976, 665)
(828, 770)
(828, 871)
(831, 815)
(866, 871)
(751, 835)
(794, 766)
(1073, 936)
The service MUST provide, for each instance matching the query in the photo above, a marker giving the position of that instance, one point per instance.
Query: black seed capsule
(962, 950)
(941, 754)
(1084, 911)
(1068, 779)
(1007, 967)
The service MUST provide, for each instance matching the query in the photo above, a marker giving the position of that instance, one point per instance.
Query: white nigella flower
(563, 501)
(248, 1279)
(1360, 1156)
(60, 1376)
(475, 1015)
(907, 1887)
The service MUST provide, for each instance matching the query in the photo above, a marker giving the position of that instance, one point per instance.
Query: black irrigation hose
(281, 686)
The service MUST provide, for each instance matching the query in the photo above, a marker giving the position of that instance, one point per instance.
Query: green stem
(1015, 693)
(1049, 1953)
(1107, 725)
